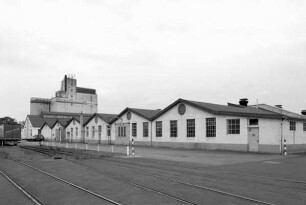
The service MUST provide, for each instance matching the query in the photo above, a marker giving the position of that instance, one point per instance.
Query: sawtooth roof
(38, 121)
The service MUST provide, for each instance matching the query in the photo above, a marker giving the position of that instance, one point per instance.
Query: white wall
(46, 132)
(294, 137)
(75, 136)
(29, 130)
(95, 122)
(134, 119)
(200, 126)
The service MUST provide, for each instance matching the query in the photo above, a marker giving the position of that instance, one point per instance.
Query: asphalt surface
(273, 179)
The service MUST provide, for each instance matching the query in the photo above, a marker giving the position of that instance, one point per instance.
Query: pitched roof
(38, 121)
(231, 109)
(106, 117)
(289, 114)
(62, 121)
(145, 113)
(77, 118)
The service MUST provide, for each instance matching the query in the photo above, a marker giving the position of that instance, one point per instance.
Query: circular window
(181, 109)
(129, 115)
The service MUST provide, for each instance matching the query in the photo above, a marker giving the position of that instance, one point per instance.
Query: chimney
(243, 102)
(279, 106)
(303, 112)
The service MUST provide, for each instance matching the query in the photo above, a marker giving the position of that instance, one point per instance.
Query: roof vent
(279, 106)
(243, 102)
(303, 112)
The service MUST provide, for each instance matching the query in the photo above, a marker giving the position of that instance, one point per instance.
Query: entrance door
(253, 136)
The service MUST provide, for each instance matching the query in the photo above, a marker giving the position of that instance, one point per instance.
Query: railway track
(22, 189)
(36, 200)
(228, 194)
(69, 183)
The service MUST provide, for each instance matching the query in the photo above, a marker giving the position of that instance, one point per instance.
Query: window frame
(173, 128)
(249, 122)
(211, 129)
(99, 130)
(292, 125)
(233, 126)
(159, 128)
(93, 131)
(134, 129)
(145, 129)
(304, 126)
(190, 128)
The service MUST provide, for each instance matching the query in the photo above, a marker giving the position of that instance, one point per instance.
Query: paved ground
(263, 177)
(209, 158)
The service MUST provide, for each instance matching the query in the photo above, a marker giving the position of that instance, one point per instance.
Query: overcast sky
(149, 53)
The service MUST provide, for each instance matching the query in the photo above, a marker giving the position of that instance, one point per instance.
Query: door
(253, 137)
(122, 133)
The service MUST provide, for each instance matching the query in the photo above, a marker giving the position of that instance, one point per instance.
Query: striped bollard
(285, 147)
(133, 152)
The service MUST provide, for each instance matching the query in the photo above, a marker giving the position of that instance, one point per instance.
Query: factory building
(133, 123)
(69, 99)
(238, 127)
(98, 129)
(71, 116)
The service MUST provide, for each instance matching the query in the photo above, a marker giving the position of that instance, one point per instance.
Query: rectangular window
(159, 128)
(211, 127)
(119, 131)
(173, 128)
(87, 131)
(233, 126)
(292, 126)
(145, 129)
(190, 128)
(134, 129)
(253, 122)
(108, 130)
(304, 126)
(99, 130)
(124, 131)
(76, 131)
(71, 132)
(93, 131)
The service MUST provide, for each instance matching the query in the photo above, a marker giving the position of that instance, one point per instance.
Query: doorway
(253, 139)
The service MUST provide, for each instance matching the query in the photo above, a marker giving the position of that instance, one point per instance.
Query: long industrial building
(182, 124)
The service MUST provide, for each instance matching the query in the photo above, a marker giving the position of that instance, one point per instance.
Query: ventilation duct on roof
(279, 106)
(243, 102)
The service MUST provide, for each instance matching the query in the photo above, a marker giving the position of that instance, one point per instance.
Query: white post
(112, 148)
(66, 145)
(98, 148)
(127, 150)
(75, 145)
(86, 147)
